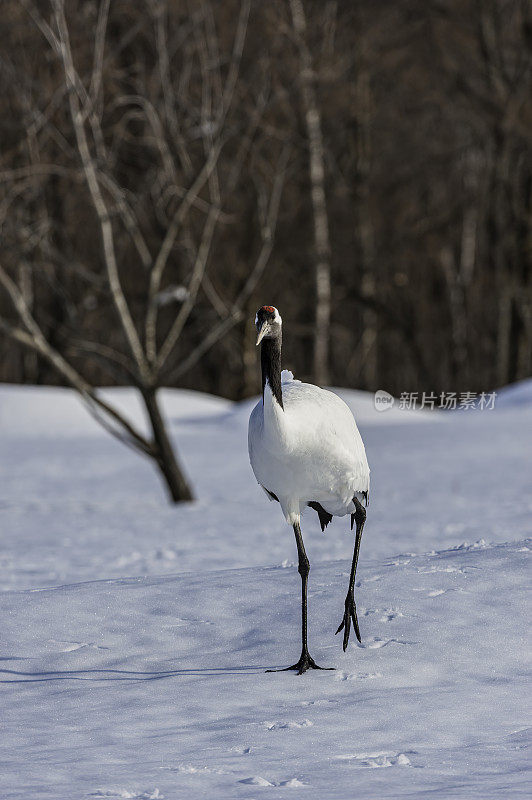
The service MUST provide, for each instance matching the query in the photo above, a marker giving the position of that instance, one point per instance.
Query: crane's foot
(350, 615)
(305, 662)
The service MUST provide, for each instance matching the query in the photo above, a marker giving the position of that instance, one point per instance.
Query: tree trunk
(174, 478)
(322, 247)
(365, 233)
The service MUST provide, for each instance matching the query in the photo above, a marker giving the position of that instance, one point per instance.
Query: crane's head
(268, 322)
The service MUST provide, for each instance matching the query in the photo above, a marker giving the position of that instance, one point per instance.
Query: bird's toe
(350, 615)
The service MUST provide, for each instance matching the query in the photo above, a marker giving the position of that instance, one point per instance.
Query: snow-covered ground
(135, 635)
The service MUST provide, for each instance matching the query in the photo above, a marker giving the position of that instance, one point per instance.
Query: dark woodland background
(423, 109)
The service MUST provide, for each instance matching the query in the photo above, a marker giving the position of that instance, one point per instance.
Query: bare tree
(184, 119)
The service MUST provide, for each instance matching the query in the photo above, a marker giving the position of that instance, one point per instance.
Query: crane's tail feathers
(323, 515)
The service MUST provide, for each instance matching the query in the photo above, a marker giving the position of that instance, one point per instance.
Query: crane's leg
(306, 661)
(350, 608)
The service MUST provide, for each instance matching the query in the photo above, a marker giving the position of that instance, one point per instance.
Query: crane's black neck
(270, 359)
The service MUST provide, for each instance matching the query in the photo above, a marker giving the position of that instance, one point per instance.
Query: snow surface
(135, 635)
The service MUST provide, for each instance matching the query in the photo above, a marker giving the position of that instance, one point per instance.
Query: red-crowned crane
(305, 450)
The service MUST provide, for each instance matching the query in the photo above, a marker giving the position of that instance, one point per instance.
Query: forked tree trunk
(172, 473)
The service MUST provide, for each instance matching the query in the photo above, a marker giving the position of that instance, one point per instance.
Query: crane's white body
(310, 451)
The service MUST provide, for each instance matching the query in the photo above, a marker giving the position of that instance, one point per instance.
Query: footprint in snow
(400, 760)
(520, 739)
(190, 769)
(378, 760)
(390, 616)
(388, 613)
(275, 726)
(125, 794)
(377, 643)
(372, 579)
(434, 570)
(70, 647)
(357, 676)
(256, 780)
(320, 702)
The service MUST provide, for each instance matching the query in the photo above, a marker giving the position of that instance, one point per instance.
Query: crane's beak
(262, 333)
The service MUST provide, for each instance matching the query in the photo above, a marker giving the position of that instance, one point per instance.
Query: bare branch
(99, 48)
(57, 46)
(238, 48)
(93, 406)
(235, 314)
(107, 354)
(220, 306)
(200, 265)
(96, 195)
(163, 60)
(157, 127)
(34, 338)
(168, 243)
(128, 217)
(217, 333)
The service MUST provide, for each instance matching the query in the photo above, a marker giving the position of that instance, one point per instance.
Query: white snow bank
(517, 394)
(77, 505)
(56, 411)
